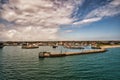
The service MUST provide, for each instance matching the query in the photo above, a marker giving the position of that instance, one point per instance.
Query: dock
(48, 54)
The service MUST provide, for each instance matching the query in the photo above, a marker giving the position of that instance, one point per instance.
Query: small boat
(48, 54)
(95, 47)
(75, 47)
(29, 46)
(54, 46)
(44, 54)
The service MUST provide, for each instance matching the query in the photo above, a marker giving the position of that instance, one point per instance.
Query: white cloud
(86, 21)
(108, 10)
(36, 20)
(41, 19)
(69, 31)
(2, 26)
(111, 9)
(30, 33)
(37, 12)
(115, 3)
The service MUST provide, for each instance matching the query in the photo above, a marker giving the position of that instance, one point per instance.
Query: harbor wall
(73, 53)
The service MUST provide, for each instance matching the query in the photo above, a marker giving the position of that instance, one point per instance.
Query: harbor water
(24, 64)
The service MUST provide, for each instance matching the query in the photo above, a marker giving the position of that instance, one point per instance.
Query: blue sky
(106, 29)
(59, 20)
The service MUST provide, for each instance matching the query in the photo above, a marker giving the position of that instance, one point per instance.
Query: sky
(51, 20)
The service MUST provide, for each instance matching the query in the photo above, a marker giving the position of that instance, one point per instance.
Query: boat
(75, 47)
(29, 46)
(49, 54)
(1, 45)
(44, 54)
(95, 47)
(54, 46)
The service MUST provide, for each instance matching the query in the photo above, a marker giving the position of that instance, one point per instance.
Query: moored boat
(29, 46)
(74, 47)
(95, 47)
(44, 54)
(54, 46)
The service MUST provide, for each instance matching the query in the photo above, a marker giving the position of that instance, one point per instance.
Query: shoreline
(109, 46)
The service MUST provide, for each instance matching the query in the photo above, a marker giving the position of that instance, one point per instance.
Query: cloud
(29, 33)
(37, 12)
(69, 31)
(36, 20)
(86, 21)
(41, 19)
(108, 10)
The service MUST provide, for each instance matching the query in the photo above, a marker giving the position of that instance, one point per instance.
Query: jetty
(49, 54)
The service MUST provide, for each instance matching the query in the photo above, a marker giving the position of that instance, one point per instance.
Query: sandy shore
(110, 46)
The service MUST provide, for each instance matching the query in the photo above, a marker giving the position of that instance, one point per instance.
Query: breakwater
(48, 54)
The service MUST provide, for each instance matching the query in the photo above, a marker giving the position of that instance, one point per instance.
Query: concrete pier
(48, 54)
(86, 52)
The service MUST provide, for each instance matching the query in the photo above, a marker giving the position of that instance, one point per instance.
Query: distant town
(63, 43)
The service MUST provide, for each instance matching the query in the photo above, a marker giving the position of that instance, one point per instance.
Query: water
(24, 64)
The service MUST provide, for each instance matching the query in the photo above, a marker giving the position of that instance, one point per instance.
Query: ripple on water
(18, 64)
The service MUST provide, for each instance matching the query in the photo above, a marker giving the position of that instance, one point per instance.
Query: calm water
(24, 64)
